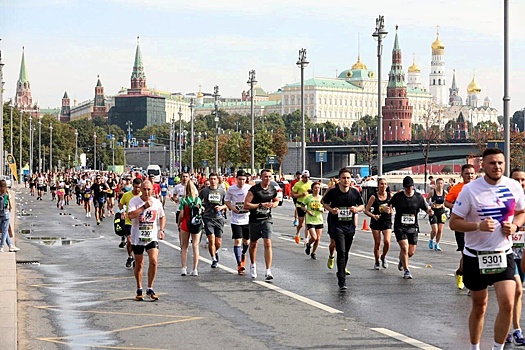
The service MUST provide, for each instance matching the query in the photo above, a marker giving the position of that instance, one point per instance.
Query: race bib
(164, 189)
(214, 198)
(518, 239)
(145, 233)
(240, 207)
(492, 262)
(316, 205)
(408, 219)
(262, 210)
(345, 214)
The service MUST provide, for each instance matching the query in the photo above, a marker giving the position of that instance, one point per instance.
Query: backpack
(195, 223)
(118, 225)
(4, 204)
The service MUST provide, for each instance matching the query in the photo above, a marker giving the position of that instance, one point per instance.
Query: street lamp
(11, 133)
(172, 150)
(252, 82)
(95, 151)
(50, 147)
(191, 135)
(76, 149)
(20, 148)
(506, 97)
(113, 150)
(129, 124)
(217, 102)
(180, 140)
(40, 144)
(30, 144)
(1, 116)
(302, 63)
(379, 34)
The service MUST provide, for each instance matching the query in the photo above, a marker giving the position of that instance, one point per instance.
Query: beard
(494, 178)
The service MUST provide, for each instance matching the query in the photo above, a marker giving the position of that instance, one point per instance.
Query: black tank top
(438, 199)
(380, 205)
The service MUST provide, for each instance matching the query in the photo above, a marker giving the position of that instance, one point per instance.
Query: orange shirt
(453, 193)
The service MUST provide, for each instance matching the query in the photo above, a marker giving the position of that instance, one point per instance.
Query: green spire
(99, 83)
(23, 73)
(396, 42)
(65, 95)
(396, 77)
(138, 68)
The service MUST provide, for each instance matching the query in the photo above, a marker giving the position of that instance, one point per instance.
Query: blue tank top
(438, 199)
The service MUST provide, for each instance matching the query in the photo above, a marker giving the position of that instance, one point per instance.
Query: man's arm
(248, 205)
(457, 223)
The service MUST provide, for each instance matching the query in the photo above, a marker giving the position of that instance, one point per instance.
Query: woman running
(53, 189)
(87, 194)
(314, 218)
(61, 193)
(110, 195)
(379, 211)
(190, 200)
(436, 199)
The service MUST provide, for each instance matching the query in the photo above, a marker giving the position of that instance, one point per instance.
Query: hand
(235, 210)
(353, 209)
(311, 213)
(430, 212)
(487, 225)
(508, 228)
(335, 211)
(377, 217)
(161, 234)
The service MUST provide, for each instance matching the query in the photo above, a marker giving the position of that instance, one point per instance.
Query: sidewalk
(8, 285)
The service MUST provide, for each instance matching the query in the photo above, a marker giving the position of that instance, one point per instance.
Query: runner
(212, 199)
(87, 195)
(179, 192)
(234, 200)
(156, 186)
(32, 184)
(186, 228)
(260, 200)
(41, 183)
(299, 192)
(378, 209)
(144, 212)
(436, 199)
(292, 183)
(342, 202)
(467, 173)
(99, 198)
(314, 219)
(61, 193)
(164, 191)
(124, 209)
(489, 210)
(110, 195)
(407, 204)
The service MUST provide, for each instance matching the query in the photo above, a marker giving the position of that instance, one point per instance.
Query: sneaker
(384, 263)
(430, 244)
(243, 261)
(240, 270)
(1, 250)
(183, 271)
(308, 249)
(139, 296)
(151, 293)
(129, 262)
(98, 222)
(347, 272)
(214, 264)
(407, 275)
(122, 244)
(330, 263)
(296, 222)
(508, 340)
(253, 271)
(376, 266)
(13, 248)
(194, 273)
(313, 256)
(268, 276)
(342, 285)
(217, 256)
(87, 215)
(518, 338)
(400, 266)
(437, 248)
(459, 281)
(297, 239)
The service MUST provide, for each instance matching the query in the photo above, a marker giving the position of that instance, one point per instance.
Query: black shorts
(99, 202)
(240, 231)
(317, 227)
(126, 231)
(335, 230)
(439, 217)
(475, 281)
(139, 249)
(260, 229)
(214, 227)
(411, 236)
(110, 195)
(381, 224)
(300, 212)
(460, 240)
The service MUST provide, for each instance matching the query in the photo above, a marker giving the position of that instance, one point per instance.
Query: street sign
(204, 163)
(321, 156)
(272, 160)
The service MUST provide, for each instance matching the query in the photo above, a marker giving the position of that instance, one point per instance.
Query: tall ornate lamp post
(76, 148)
(379, 34)
(50, 147)
(217, 102)
(20, 148)
(252, 82)
(506, 96)
(95, 151)
(30, 144)
(302, 63)
(172, 139)
(40, 144)
(192, 136)
(180, 140)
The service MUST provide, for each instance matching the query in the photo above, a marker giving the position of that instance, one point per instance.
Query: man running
(299, 192)
(99, 198)
(234, 200)
(145, 211)
(260, 200)
(124, 209)
(213, 201)
(467, 173)
(292, 183)
(489, 210)
(342, 203)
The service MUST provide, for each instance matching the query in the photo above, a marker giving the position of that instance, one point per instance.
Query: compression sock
(244, 248)
(237, 253)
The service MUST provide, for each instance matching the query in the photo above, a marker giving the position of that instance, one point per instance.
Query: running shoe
(122, 244)
(253, 271)
(217, 256)
(214, 264)
(296, 222)
(129, 261)
(240, 270)
(347, 272)
(459, 281)
(194, 273)
(268, 276)
(384, 263)
(139, 296)
(330, 263)
(508, 340)
(518, 338)
(342, 285)
(308, 249)
(98, 222)
(297, 239)
(151, 293)
(183, 271)
(1, 250)
(376, 265)
(437, 248)
(430, 244)
(407, 275)
(13, 249)
(313, 256)
(400, 266)
(243, 261)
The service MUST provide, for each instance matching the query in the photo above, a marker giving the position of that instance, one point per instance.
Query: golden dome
(438, 44)
(359, 64)
(473, 87)
(414, 68)
(200, 95)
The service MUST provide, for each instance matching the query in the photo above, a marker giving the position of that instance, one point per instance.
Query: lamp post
(30, 144)
(172, 139)
(95, 151)
(302, 63)
(40, 144)
(192, 136)
(129, 124)
(2, 163)
(379, 34)
(76, 149)
(11, 133)
(252, 82)
(20, 148)
(216, 96)
(50, 147)
(180, 140)
(506, 97)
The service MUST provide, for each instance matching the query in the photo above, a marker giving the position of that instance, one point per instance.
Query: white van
(155, 171)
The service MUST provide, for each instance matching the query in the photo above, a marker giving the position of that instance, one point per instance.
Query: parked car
(8, 181)
(277, 188)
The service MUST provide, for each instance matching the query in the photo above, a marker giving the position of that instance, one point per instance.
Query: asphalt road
(79, 294)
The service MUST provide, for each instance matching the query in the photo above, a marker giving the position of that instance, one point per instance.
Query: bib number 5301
(492, 262)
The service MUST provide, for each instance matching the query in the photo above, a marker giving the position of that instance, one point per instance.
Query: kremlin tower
(65, 112)
(99, 105)
(454, 99)
(437, 73)
(397, 114)
(24, 100)
(138, 77)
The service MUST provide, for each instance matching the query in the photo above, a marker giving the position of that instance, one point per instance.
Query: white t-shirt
(479, 200)
(236, 196)
(144, 229)
(180, 191)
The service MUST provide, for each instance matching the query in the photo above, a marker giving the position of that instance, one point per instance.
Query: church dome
(414, 68)
(438, 47)
(200, 95)
(359, 64)
(473, 87)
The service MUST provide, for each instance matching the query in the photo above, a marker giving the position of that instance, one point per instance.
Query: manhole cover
(55, 241)
(25, 232)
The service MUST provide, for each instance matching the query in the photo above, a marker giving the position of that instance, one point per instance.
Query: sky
(187, 44)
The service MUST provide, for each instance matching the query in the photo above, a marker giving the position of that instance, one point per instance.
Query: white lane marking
(405, 339)
(270, 286)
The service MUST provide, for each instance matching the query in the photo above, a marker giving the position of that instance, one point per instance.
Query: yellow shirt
(301, 187)
(126, 197)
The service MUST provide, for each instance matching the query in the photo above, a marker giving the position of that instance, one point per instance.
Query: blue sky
(190, 43)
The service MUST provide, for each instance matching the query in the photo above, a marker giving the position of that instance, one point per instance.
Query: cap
(305, 173)
(408, 181)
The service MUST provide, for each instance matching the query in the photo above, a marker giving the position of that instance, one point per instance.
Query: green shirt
(314, 205)
(301, 187)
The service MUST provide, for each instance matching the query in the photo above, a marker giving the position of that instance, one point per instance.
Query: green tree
(263, 147)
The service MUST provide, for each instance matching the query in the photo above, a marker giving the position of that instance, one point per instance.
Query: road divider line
(414, 342)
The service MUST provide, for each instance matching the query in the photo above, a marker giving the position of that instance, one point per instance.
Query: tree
(279, 145)
(431, 133)
(263, 147)
(518, 119)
